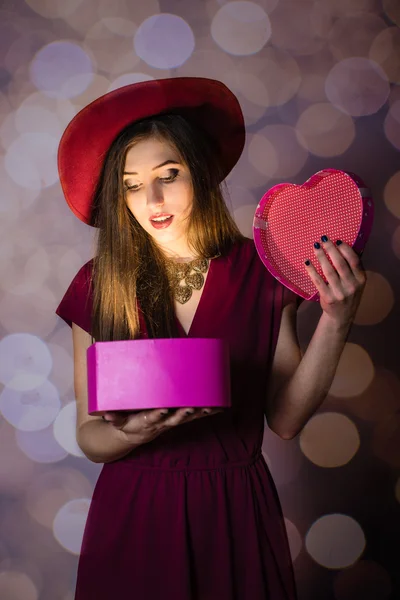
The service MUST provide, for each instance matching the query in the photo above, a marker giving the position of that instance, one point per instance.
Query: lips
(161, 221)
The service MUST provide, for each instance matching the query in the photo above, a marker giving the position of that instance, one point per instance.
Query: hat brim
(87, 138)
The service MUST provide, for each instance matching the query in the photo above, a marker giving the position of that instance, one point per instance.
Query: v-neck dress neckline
(206, 299)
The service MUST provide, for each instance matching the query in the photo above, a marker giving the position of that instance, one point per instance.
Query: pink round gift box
(158, 373)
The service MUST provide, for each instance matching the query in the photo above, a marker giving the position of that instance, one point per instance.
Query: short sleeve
(76, 305)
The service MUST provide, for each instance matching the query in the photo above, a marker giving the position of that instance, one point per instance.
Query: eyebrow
(167, 162)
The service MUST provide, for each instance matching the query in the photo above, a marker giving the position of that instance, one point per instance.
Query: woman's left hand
(346, 278)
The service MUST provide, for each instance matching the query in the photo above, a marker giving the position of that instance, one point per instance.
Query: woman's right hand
(144, 426)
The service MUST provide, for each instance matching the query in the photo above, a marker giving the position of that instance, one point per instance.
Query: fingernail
(324, 238)
(307, 262)
(164, 413)
(338, 242)
(317, 245)
(206, 411)
(189, 412)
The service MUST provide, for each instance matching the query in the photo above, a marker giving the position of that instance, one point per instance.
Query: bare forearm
(298, 399)
(101, 442)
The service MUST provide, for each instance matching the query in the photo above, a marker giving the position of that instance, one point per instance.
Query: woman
(185, 507)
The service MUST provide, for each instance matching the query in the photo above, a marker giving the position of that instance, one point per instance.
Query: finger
(353, 260)
(328, 270)
(114, 417)
(339, 262)
(324, 290)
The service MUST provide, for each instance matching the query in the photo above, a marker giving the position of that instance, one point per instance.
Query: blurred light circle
(385, 51)
(17, 470)
(31, 410)
(270, 78)
(8, 131)
(386, 387)
(355, 7)
(357, 86)
(120, 26)
(53, 68)
(245, 174)
(128, 79)
(329, 440)
(25, 361)
(386, 440)
(392, 10)
(31, 160)
(244, 216)
(54, 9)
(208, 62)
(241, 28)
(62, 374)
(396, 242)
(250, 86)
(324, 130)
(28, 42)
(279, 72)
(263, 156)
(30, 313)
(392, 125)
(29, 272)
(69, 524)
(244, 86)
(354, 373)
(275, 152)
(52, 489)
(353, 35)
(36, 119)
(65, 429)
(40, 446)
(98, 87)
(335, 541)
(300, 28)
(98, 41)
(10, 205)
(125, 62)
(366, 579)
(17, 586)
(295, 540)
(127, 10)
(240, 196)
(392, 192)
(164, 41)
(377, 300)
(62, 111)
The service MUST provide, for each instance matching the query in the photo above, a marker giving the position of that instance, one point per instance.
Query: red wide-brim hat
(85, 142)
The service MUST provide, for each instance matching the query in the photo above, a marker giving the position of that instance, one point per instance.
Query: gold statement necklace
(186, 277)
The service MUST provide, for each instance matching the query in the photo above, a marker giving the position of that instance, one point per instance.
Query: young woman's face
(158, 190)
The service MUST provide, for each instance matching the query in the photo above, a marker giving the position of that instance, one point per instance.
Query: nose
(155, 195)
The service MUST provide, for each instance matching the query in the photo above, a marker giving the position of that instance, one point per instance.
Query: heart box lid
(290, 218)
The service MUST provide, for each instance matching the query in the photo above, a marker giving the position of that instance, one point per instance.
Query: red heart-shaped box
(290, 218)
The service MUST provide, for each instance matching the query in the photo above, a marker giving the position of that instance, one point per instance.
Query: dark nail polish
(164, 413)
(189, 412)
(307, 262)
(338, 242)
(317, 245)
(324, 238)
(206, 411)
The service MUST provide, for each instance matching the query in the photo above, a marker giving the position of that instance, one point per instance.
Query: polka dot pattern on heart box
(290, 218)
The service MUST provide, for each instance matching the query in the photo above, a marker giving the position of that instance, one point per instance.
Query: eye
(173, 174)
(130, 188)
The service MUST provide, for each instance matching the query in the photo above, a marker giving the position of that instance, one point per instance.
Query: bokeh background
(319, 84)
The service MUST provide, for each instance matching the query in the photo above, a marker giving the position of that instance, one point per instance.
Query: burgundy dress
(194, 514)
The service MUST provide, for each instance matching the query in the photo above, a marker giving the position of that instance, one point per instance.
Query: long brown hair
(129, 268)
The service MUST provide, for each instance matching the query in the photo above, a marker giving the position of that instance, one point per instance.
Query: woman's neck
(179, 250)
